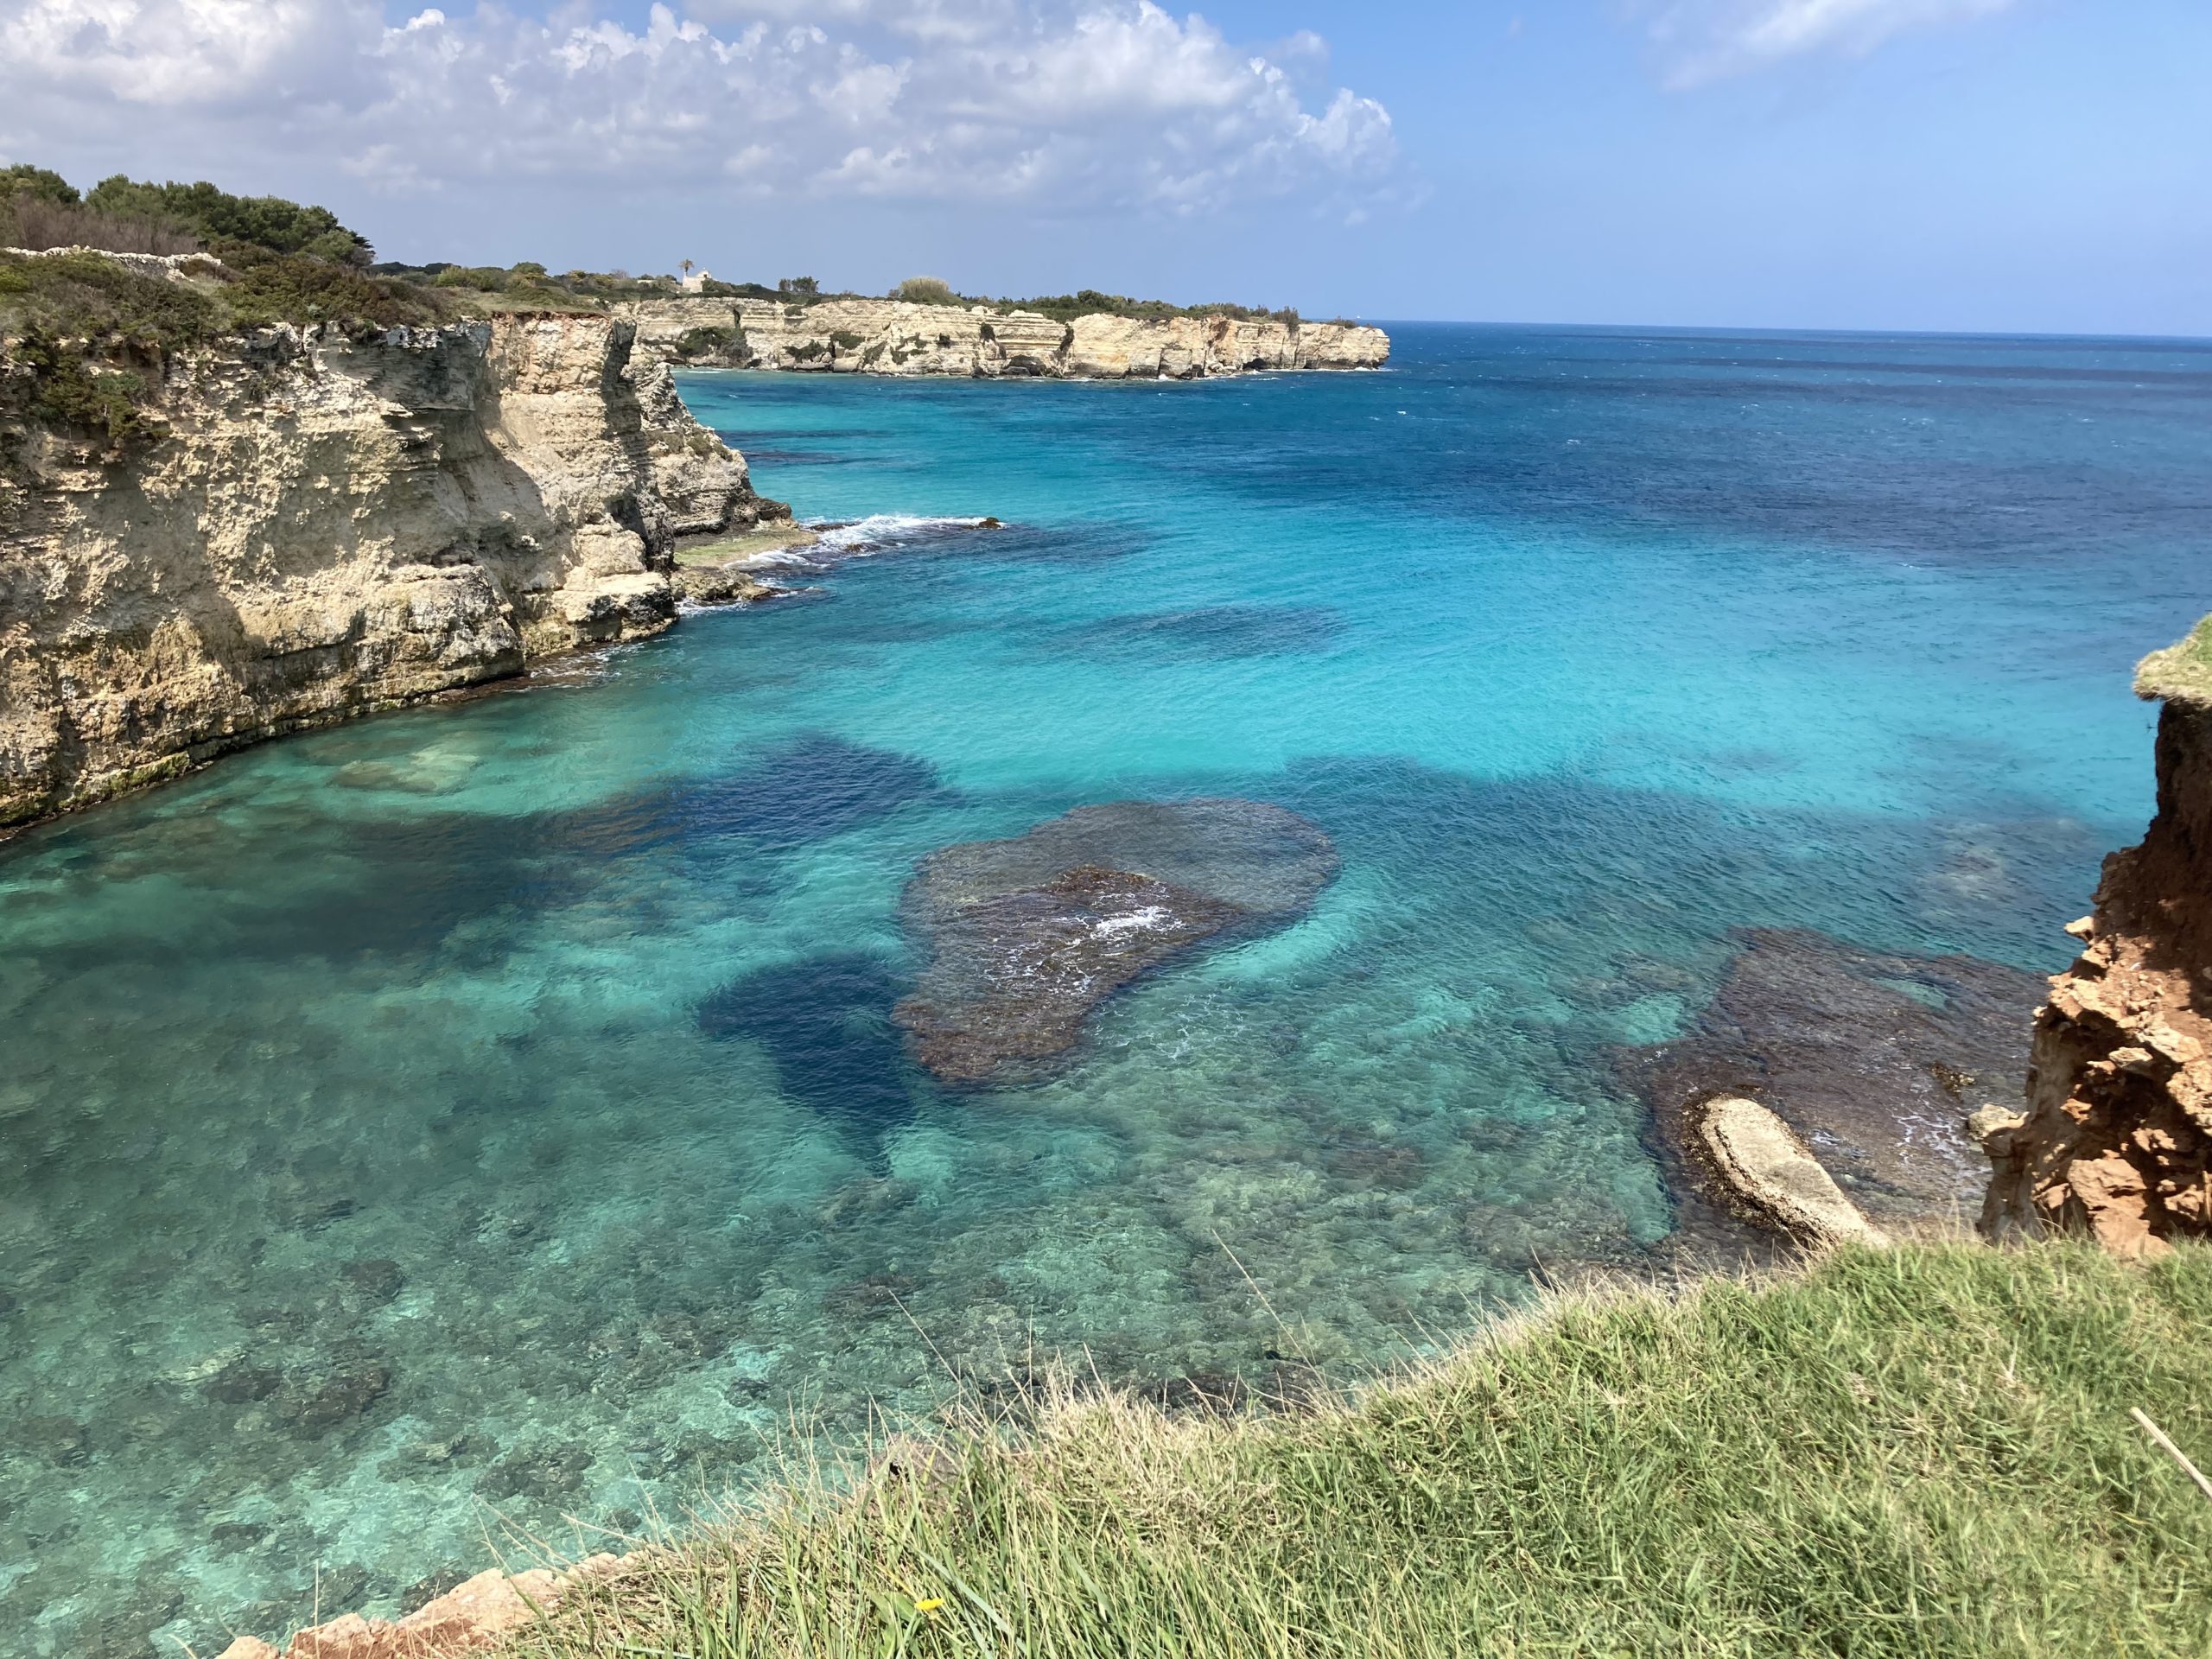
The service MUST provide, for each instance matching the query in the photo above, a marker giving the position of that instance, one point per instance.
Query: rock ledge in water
(1028, 935)
(1760, 1159)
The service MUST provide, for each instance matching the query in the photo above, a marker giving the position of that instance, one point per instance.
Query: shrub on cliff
(85, 340)
(489, 279)
(23, 181)
(926, 290)
(710, 342)
(68, 391)
(106, 305)
(224, 221)
(2182, 671)
(35, 222)
(273, 288)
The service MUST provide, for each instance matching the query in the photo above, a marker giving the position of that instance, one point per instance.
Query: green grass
(1924, 1452)
(2182, 671)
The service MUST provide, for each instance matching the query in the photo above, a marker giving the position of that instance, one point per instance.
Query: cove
(453, 1116)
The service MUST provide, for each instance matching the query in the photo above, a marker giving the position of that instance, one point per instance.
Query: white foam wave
(1136, 921)
(882, 529)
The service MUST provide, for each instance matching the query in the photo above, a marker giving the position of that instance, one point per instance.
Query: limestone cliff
(334, 520)
(2117, 1139)
(895, 337)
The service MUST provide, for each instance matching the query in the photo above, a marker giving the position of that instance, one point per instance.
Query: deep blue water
(492, 1110)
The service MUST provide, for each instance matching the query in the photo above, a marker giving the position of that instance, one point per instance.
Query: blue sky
(2004, 165)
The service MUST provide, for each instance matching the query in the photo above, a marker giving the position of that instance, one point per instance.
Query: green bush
(222, 220)
(273, 288)
(109, 306)
(846, 340)
(489, 279)
(22, 180)
(710, 343)
(66, 390)
(926, 290)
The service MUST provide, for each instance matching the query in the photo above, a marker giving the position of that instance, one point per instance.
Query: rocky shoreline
(330, 523)
(2117, 1137)
(896, 337)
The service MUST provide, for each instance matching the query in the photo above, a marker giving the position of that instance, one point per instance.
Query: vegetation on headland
(1926, 1450)
(2182, 671)
(529, 286)
(84, 340)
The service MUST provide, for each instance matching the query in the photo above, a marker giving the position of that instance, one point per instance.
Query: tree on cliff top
(267, 222)
(22, 182)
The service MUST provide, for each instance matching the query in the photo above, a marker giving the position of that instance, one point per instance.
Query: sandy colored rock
(468, 1618)
(897, 337)
(1760, 1159)
(2117, 1138)
(334, 523)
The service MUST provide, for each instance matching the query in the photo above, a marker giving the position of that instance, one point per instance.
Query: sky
(2009, 166)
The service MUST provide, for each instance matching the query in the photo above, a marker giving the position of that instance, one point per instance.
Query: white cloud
(1089, 105)
(1706, 40)
(169, 52)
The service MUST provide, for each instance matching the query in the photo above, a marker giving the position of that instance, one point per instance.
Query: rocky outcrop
(335, 521)
(1027, 936)
(1758, 1159)
(896, 337)
(468, 1619)
(2117, 1137)
(1871, 1060)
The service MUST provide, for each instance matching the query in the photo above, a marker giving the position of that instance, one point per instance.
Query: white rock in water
(1760, 1159)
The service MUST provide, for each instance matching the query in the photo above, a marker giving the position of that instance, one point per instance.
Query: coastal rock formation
(468, 1618)
(1759, 1159)
(897, 337)
(329, 522)
(2117, 1138)
(1027, 936)
(1873, 1061)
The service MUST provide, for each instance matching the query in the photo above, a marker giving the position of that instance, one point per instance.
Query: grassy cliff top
(1920, 1452)
(2182, 671)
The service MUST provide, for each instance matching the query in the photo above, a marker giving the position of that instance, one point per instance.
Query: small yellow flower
(929, 1604)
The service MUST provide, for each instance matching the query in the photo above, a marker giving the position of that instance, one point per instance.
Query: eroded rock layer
(2117, 1138)
(1027, 936)
(333, 522)
(895, 337)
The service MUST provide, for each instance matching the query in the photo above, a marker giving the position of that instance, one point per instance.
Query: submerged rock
(1873, 1061)
(1027, 936)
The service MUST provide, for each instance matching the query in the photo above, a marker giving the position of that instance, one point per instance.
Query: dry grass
(1926, 1450)
(2182, 671)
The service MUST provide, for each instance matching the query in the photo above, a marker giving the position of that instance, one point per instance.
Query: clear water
(367, 1174)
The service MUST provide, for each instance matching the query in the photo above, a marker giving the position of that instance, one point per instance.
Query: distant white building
(697, 280)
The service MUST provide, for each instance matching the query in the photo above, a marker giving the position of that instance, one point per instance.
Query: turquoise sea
(383, 1171)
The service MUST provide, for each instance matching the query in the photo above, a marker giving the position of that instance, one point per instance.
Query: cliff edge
(903, 338)
(321, 520)
(2117, 1139)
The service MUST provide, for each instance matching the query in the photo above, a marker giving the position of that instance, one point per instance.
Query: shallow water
(492, 1110)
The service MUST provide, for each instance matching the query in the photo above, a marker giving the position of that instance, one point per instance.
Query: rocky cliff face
(332, 523)
(893, 337)
(2117, 1139)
